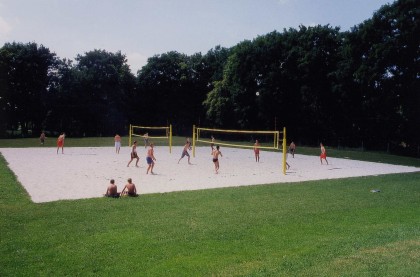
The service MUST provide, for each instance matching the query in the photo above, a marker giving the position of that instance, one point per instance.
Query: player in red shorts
(257, 151)
(60, 142)
(323, 153)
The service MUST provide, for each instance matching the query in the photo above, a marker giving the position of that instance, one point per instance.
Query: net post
(193, 137)
(170, 138)
(284, 150)
(129, 135)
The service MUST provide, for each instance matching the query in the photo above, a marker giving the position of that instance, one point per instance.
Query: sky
(143, 28)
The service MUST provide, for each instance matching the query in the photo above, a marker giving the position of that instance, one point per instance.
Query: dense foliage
(348, 88)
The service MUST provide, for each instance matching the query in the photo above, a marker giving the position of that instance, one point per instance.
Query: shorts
(60, 143)
(134, 155)
(149, 160)
(257, 151)
(118, 144)
(215, 160)
(185, 153)
(323, 156)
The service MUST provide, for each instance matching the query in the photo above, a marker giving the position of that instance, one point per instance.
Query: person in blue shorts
(150, 158)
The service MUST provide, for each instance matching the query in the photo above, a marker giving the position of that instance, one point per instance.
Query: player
(150, 158)
(292, 148)
(133, 154)
(187, 147)
(111, 191)
(257, 151)
(146, 140)
(212, 143)
(60, 142)
(117, 140)
(42, 138)
(129, 189)
(215, 153)
(323, 153)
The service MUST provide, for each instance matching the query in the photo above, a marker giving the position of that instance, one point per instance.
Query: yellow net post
(193, 138)
(129, 135)
(284, 150)
(170, 138)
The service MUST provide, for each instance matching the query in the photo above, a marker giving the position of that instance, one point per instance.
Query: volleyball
(257, 93)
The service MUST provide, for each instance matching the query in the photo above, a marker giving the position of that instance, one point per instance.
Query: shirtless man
(215, 153)
(42, 138)
(111, 191)
(133, 154)
(323, 153)
(292, 148)
(117, 140)
(212, 143)
(257, 151)
(60, 142)
(129, 189)
(187, 147)
(146, 140)
(150, 158)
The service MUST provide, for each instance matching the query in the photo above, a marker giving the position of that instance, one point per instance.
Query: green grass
(317, 228)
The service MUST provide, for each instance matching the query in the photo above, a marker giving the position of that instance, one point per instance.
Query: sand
(85, 172)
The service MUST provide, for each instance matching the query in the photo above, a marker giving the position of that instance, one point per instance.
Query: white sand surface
(84, 172)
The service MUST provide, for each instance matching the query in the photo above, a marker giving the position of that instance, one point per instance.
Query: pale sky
(143, 28)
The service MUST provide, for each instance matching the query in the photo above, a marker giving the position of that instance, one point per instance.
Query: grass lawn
(317, 228)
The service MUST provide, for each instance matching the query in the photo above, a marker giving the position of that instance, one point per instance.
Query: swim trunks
(149, 160)
(185, 153)
(134, 155)
(215, 160)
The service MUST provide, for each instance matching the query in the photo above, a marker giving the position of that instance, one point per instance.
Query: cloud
(5, 27)
(136, 61)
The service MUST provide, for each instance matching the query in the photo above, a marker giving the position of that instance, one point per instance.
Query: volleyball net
(269, 140)
(148, 134)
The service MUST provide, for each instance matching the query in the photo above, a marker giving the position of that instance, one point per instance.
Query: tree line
(352, 87)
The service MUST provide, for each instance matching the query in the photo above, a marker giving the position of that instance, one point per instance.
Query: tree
(384, 53)
(98, 89)
(26, 72)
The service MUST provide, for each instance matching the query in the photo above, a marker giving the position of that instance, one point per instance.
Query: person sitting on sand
(111, 191)
(129, 189)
